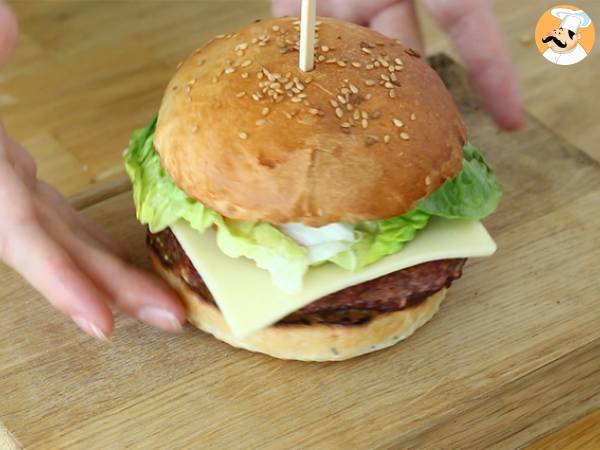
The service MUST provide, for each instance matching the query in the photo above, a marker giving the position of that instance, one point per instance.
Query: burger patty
(351, 306)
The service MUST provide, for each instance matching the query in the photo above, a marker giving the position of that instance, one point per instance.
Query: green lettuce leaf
(473, 194)
(160, 203)
(376, 239)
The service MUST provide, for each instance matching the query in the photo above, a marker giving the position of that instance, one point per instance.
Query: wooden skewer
(307, 35)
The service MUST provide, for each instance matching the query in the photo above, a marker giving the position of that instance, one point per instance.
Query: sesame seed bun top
(364, 136)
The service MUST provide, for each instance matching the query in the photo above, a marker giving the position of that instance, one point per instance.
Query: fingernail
(160, 318)
(90, 328)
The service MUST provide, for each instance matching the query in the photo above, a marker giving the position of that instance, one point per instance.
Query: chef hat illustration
(572, 20)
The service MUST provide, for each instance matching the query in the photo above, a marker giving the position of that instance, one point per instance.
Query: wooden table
(73, 93)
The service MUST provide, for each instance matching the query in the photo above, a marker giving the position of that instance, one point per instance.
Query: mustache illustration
(556, 41)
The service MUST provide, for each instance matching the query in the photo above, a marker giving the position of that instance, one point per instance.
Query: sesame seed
(385, 77)
(350, 107)
(393, 77)
(345, 91)
(354, 89)
(370, 66)
(371, 140)
(375, 115)
(368, 96)
(366, 50)
(356, 114)
(387, 139)
(339, 112)
(265, 111)
(389, 85)
(405, 136)
(428, 180)
(370, 83)
(346, 125)
(220, 36)
(321, 58)
(296, 100)
(333, 103)
(377, 64)
(331, 61)
(398, 61)
(365, 123)
(392, 93)
(341, 64)
(342, 99)
(314, 111)
(300, 85)
(399, 68)
(229, 71)
(324, 48)
(275, 28)
(247, 63)
(243, 135)
(364, 115)
(398, 123)
(356, 64)
(413, 116)
(245, 75)
(240, 94)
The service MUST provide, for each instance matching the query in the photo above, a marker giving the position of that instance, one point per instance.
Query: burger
(313, 216)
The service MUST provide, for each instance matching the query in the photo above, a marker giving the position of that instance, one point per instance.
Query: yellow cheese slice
(249, 300)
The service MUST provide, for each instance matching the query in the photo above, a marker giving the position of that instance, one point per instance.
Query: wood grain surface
(87, 73)
(512, 355)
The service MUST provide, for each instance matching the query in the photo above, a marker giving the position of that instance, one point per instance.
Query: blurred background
(87, 73)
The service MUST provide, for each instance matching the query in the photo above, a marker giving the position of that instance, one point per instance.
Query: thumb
(9, 30)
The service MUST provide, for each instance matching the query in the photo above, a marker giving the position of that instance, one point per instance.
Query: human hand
(68, 259)
(470, 24)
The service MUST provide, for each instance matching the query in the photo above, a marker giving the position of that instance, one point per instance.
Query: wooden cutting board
(513, 354)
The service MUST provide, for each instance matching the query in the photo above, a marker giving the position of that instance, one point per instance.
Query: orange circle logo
(565, 35)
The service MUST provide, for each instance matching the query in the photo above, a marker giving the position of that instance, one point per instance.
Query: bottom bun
(307, 342)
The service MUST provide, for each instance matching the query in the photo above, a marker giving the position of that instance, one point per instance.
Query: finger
(24, 165)
(133, 291)
(77, 221)
(8, 32)
(473, 28)
(400, 21)
(50, 270)
(27, 248)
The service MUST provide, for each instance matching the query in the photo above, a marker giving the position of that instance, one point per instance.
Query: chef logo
(565, 35)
